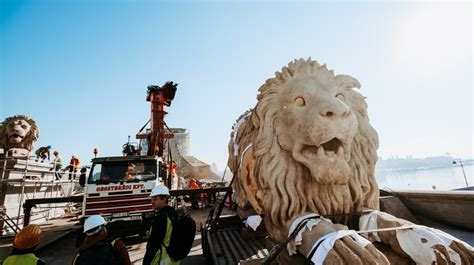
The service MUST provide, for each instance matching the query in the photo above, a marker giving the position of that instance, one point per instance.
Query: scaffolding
(25, 178)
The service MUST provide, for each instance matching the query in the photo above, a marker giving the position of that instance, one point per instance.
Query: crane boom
(160, 98)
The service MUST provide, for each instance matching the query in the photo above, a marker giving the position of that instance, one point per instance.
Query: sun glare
(433, 35)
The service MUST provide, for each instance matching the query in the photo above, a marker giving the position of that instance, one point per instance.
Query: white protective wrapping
(253, 221)
(419, 241)
(236, 131)
(327, 243)
(416, 241)
(368, 221)
(243, 153)
(291, 246)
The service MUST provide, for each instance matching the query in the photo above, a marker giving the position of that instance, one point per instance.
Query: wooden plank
(260, 244)
(252, 248)
(223, 247)
(242, 249)
(233, 247)
(229, 247)
(212, 248)
(449, 207)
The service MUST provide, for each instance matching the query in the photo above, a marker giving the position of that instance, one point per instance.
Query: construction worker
(172, 167)
(160, 231)
(58, 164)
(194, 197)
(73, 166)
(43, 152)
(131, 170)
(174, 176)
(24, 246)
(98, 248)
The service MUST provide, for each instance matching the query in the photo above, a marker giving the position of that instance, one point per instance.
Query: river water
(445, 178)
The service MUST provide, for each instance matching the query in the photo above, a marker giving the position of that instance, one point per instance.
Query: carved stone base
(18, 153)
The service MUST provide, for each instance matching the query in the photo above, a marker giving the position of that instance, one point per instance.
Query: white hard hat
(94, 221)
(160, 190)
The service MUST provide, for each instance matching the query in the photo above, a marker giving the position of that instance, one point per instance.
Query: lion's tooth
(329, 153)
(320, 151)
(340, 151)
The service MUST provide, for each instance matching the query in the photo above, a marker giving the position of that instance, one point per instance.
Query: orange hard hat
(30, 236)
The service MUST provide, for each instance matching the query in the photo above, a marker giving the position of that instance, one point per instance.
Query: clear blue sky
(80, 68)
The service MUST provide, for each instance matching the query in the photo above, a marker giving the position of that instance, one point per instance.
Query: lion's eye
(299, 101)
(23, 126)
(340, 97)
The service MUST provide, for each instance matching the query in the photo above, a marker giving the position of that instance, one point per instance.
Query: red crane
(160, 98)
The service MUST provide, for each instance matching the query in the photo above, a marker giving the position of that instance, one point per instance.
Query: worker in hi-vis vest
(160, 231)
(24, 246)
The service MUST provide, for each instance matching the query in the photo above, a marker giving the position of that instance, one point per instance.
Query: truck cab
(118, 188)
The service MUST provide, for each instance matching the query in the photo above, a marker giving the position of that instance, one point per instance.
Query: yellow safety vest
(161, 256)
(25, 259)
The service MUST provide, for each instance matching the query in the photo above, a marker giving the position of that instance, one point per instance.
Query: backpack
(101, 254)
(182, 236)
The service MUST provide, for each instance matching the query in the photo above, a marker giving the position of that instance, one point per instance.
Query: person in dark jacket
(24, 246)
(160, 232)
(98, 247)
(43, 153)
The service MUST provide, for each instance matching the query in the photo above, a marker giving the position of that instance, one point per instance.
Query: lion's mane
(27, 141)
(287, 185)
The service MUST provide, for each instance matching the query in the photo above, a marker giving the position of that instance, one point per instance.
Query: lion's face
(317, 127)
(16, 131)
(19, 131)
(307, 147)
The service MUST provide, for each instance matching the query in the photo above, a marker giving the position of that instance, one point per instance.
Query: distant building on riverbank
(409, 163)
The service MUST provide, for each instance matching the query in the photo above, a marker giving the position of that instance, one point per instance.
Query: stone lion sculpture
(18, 132)
(307, 149)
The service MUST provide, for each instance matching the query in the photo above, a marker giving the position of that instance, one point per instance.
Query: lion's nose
(334, 110)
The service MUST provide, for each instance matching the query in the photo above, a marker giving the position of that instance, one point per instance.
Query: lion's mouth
(327, 161)
(16, 137)
(333, 148)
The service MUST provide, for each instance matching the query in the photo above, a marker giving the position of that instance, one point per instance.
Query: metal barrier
(7, 220)
(30, 203)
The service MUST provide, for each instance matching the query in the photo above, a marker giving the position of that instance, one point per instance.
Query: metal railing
(8, 221)
(25, 172)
